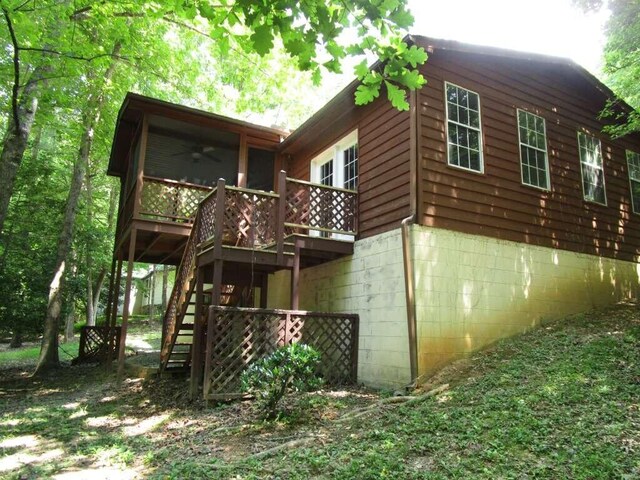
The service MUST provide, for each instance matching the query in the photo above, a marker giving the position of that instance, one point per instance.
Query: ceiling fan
(198, 151)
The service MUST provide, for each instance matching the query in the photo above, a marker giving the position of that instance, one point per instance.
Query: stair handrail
(204, 223)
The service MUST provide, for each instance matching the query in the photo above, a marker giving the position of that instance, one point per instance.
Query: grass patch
(559, 402)
(66, 351)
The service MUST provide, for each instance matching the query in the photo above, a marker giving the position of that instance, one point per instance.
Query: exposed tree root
(359, 412)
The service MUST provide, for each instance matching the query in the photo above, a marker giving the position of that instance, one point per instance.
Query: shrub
(290, 368)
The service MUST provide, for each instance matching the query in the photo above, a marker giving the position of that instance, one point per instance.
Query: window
(464, 144)
(326, 173)
(633, 163)
(351, 167)
(337, 166)
(533, 150)
(592, 170)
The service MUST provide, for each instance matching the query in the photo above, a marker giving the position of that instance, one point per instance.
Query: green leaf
(402, 18)
(361, 70)
(262, 39)
(415, 56)
(366, 93)
(397, 96)
(412, 79)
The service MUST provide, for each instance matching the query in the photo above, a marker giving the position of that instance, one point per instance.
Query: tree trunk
(96, 292)
(16, 339)
(165, 282)
(15, 139)
(49, 351)
(68, 326)
(91, 318)
(152, 295)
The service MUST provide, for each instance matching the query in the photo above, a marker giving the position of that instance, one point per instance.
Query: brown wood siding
(496, 203)
(383, 163)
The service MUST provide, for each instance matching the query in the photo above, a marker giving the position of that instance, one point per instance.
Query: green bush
(290, 368)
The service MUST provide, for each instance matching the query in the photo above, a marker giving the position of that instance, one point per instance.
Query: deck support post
(295, 278)
(282, 206)
(110, 319)
(215, 301)
(127, 300)
(116, 294)
(199, 320)
(107, 315)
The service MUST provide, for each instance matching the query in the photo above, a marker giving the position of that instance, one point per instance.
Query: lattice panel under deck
(243, 335)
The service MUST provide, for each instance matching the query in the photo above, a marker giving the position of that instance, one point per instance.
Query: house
(155, 285)
(494, 204)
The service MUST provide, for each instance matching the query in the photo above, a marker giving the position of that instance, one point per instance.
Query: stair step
(182, 344)
(186, 326)
(180, 353)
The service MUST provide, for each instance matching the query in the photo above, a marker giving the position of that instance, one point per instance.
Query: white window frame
(629, 154)
(479, 130)
(533, 147)
(599, 165)
(335, 153)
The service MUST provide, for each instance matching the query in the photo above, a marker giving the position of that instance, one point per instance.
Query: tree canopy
(621, 57)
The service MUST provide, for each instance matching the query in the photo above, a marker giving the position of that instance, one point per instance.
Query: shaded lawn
(142, 337)
(560, 402)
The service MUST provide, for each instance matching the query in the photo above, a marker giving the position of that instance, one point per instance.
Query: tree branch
(16, 71)
(72, 56)
(204, 34)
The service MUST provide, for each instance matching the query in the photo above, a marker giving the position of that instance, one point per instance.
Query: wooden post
(282, 206)
(211, 319)
(107, 314)
(216, 290)
(295, 278)
(243, 161)
(220, 209)
(140, 173)
(116, 293)
(355, 339)
(198, 330)
(127, 301)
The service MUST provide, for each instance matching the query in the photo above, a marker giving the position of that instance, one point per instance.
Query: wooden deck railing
(170, 201)
(311, 206)
(236, 337)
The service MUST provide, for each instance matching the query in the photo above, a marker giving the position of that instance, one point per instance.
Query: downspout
(409, 288)
(409, 278)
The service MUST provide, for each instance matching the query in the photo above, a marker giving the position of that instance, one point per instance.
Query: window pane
(351, 167)
(463, 128)
(533, 150)
(592, 168)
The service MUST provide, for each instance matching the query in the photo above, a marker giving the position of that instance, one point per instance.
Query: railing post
(206, 384)
(355, 338)
(282, 206)
(198, 330)
(295, 277)
(220, 209)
